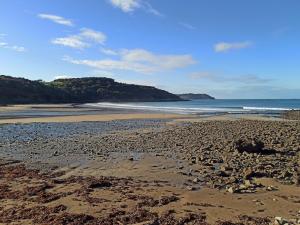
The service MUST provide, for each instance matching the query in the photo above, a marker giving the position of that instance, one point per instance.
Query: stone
(196, 180)
(271, 188)
(190, 188)
(231, 190)
(248, 183)
(248, 173)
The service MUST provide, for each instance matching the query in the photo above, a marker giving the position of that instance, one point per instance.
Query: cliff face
(191, 96)
(77, 90)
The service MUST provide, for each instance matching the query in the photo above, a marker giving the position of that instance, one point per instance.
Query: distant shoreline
(80, 113)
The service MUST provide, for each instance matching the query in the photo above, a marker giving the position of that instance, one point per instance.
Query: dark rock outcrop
(191, 96)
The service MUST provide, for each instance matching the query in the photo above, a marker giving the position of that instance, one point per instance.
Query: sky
(228, 49)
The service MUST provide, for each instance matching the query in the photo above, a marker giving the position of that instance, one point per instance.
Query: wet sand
(75, 113)
(216, 170)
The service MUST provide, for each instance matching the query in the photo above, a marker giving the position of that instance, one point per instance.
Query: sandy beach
(65, 164)
(75, 113)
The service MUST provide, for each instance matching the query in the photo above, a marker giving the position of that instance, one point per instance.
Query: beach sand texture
(149, 169)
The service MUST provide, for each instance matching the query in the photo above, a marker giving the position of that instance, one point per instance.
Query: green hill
(77, 90)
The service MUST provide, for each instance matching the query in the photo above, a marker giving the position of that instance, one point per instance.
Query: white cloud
(62, 77)
(160, 61)
(108, 51)
(81, 40)
(225, 46)
(3, 44)
(210, 76)
(129, 6)
(138, 60)
(12, 47)
(56, 19)
(73, 41)
(109, 64)
(148, 8)
(93, 35)
(18, 48)
(202, 75)
(187, 25)
(126, 5)
(103, 73)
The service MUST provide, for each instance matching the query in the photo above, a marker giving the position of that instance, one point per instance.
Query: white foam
(182, 110)
(266, 108)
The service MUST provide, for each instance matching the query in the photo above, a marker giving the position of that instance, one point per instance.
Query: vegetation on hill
(191, 96)
(77, 90)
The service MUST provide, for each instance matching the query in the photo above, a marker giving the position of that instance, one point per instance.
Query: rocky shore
(151, 172)
(291, 115)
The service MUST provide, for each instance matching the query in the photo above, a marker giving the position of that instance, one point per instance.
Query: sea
(208, 107)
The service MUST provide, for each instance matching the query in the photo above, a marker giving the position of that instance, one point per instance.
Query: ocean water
(233, 106)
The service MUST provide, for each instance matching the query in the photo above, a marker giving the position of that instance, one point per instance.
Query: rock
(249, 146)
(196, 180)
(225, 168)
(248, 183)
(190, 188)
(248, 173)
(282, 221)
(224, 174)
(271, 188)
(231, 190)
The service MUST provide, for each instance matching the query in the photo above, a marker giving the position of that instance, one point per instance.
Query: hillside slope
(77, 90)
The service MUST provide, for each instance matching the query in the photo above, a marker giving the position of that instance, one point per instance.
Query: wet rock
(231, 190)
(196, 180)
(249, 146)
(99, 184)
(282, 221)
(190, 188)
(271, 188)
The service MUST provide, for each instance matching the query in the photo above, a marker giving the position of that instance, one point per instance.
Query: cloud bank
(138, 60)
(246, 79)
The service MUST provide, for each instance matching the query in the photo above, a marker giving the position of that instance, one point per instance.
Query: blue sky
(229, 49)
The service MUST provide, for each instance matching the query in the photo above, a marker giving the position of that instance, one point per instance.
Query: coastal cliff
(77, 90)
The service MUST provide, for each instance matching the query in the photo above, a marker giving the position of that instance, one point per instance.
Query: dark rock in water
(191, 96)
